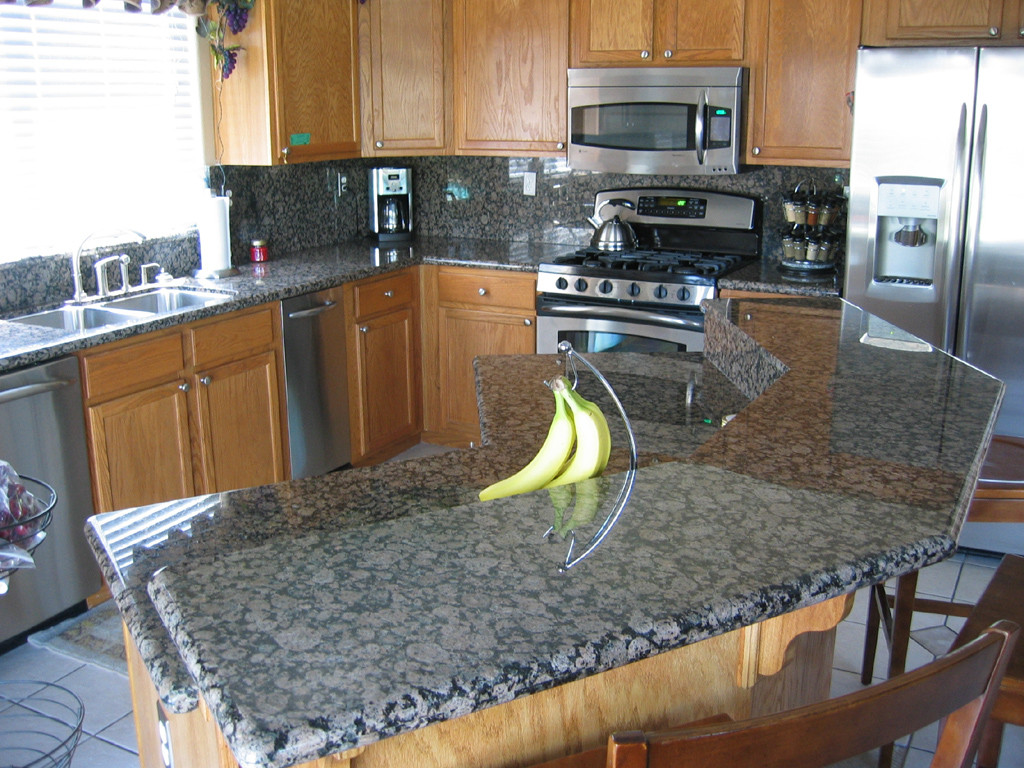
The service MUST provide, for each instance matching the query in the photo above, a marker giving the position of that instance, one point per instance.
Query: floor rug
(93, 637)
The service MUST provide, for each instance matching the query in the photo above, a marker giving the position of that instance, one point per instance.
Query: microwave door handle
(698, 124)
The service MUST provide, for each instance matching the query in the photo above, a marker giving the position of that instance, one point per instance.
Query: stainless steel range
(640, 284)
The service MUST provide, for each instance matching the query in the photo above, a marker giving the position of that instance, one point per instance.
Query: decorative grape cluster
(237, 17)
(234, 15)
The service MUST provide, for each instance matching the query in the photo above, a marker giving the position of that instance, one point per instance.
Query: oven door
(601, 328)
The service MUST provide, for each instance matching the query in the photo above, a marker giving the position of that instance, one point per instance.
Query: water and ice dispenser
(907, 235)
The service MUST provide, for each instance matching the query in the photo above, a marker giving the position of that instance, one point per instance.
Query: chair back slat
(960, 687)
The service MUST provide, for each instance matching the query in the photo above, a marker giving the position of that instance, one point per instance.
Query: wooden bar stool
(998, 498)
(1002, 599)
(959, 687)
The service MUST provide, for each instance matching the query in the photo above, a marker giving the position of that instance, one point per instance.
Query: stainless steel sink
(75, 318)
(167, 300)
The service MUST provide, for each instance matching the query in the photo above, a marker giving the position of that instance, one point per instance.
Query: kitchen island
(811, 451)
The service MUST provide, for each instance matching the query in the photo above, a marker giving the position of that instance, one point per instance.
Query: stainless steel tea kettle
(613, 234)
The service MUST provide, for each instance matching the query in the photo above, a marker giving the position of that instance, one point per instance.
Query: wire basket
(28, 532)
(40, 724)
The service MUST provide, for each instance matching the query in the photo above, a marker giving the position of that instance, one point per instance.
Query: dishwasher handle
(312, 311)
(28, 390)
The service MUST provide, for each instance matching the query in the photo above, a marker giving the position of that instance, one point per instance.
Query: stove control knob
(660, 292)
(633, 290)
(605, 286)
(561, 283)
(683, 294)
(580, 284)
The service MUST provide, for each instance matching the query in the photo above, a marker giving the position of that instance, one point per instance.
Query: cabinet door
(510, 76)
(140, 448)
(920, 22)
(239, 417)
(403, 77)
(607, 31)
(711, 30)
(464, 334)
(315, 65)
(802, 72)
(387, 391)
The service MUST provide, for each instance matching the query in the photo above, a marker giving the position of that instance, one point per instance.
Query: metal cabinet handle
(561, 144)
(993, 31)
(285, 152)
(364, 328)
(389, 294)
(668, 54)
(482, 291)
(378, 144)
(205, 381)
(184, 387)
(645, 54)
(527, 321)
(755, 151)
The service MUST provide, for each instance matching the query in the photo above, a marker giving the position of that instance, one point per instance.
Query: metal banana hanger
(571, 373)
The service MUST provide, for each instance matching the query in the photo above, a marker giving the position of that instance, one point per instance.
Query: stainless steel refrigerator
(935, 241)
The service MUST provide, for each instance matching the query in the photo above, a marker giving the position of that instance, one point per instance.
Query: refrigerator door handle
(973, 224)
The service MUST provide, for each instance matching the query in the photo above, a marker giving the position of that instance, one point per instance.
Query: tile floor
(108, 739)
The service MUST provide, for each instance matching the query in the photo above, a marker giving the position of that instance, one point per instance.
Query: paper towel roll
(214, 235)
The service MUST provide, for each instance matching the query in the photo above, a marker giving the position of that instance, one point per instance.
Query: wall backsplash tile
(299, 206)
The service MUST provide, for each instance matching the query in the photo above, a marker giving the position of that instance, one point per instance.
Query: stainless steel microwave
(656, 120)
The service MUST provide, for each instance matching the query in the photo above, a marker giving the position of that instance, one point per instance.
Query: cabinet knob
(561, 144)
(285, 152)
(389, 294)
(1020, 32)
(205, 381)
(755, 151)
(527, 321)
(668, 54)
(993, 31)
(184, 387)
(364, 329)
(482, 291)
(378, 144)
(645, 54)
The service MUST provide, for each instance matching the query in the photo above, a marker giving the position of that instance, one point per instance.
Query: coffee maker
(391, 203)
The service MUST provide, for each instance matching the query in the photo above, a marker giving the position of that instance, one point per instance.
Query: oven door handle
(620, 313)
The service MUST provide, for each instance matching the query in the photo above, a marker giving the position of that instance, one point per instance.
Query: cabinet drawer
(233, 337)
(483, 288)
(377, 296)
(131, 367)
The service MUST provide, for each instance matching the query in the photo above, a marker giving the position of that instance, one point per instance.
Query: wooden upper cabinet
(294, 95)
(943, 22)
(657, 32)
(510, 76)
(403, 70)
(802, 66)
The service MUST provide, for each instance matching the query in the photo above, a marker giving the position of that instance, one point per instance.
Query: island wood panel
(731, 293)
(675, 687)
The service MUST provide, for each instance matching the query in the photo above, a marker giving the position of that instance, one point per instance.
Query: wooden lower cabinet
(730, 293)
(193, 409)
(769, 667)
(469, 312)
(382, 315)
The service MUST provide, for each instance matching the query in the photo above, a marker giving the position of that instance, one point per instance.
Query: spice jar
(258, 251)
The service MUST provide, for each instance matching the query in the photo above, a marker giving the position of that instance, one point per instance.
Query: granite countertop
(812, 450)
(299, 272)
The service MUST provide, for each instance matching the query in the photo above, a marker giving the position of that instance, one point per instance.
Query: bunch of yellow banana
(577, 422)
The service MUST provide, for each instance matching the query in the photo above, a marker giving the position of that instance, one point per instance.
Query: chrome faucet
(117, 236)
(102, 286)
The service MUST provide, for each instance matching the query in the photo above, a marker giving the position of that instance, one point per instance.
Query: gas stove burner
(668, 262)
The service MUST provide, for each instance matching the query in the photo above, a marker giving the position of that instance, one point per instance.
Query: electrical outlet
(530, 183)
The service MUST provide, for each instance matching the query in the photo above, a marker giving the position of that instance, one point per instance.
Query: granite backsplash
(300, 206)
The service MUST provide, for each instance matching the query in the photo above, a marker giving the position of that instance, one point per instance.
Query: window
(100, 124)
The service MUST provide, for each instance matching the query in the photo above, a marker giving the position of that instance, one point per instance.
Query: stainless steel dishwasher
(42, 435)
(316, 379)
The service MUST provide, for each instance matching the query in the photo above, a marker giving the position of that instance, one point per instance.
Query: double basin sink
(124, 310)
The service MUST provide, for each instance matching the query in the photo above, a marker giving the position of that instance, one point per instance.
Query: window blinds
(99, 125)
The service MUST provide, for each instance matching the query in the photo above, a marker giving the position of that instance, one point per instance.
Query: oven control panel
(602, 287)
(680, 207)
